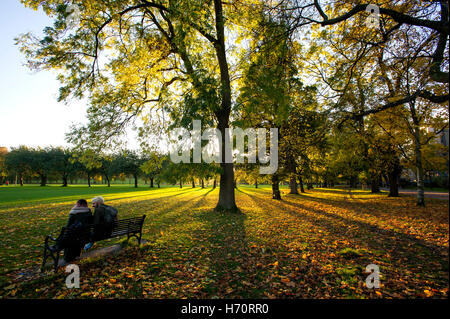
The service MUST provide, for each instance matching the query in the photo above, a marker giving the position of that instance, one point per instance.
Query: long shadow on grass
(227, 254)
(400, 244)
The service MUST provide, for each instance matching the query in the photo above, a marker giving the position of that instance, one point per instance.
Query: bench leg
(56, 261)
(45, 258)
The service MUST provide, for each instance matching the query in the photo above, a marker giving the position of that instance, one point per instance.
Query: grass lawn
(314, 245)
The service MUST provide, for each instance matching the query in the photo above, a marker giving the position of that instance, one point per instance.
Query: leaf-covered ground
(314, 245)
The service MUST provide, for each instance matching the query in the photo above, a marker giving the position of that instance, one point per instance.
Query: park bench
(132, 227)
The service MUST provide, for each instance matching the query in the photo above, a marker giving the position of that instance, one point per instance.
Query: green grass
(312, 245)
(34, 194)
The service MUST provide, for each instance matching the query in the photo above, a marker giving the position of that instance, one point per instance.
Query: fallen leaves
(315, 245)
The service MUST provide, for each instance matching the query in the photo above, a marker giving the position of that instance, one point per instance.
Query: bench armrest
(49, 237)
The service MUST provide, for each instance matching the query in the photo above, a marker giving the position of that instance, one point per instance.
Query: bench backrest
(118, 228)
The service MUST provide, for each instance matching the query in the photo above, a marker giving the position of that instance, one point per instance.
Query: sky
(29, 112)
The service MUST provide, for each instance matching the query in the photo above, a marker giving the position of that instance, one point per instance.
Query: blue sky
(29, 112)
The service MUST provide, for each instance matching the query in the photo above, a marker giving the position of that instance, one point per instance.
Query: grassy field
(314, 245)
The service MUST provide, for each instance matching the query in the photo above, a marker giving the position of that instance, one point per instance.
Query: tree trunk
(89, 179)
(418, 154)
(203, 183)
(419, 167)
(64, 181)
(353, 181)
(226, 193)
(275, 187)
(181, 184)
(43, 180)
(300, 180)
(151, 182)
(293, 184)
(193, 183)
(393, 176)
(375, 183)
(215, 183)
(135, 181)
(107, 180)
(256, 182)
(159, 184)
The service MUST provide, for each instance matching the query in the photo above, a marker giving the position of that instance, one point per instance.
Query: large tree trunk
(293, 184)
(300, 180)
(419, 167)
(135, 181)
(256, 182)
(393, 176)
(151, 182)
(181, 183)
(375, 183)
(275, 187)
(159, 184)
(89, 179)
(215, 183)
(203, 183)
(226, 193)
(108, 180)
(193, 183)
(418, 154)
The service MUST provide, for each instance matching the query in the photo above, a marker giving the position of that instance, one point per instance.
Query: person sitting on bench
(103, 219)
(79, 217)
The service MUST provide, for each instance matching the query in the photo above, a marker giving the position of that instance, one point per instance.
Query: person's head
(82, 203)
(97, 201)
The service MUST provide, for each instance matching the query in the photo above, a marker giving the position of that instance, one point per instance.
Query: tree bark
(181, 184)
(43, 180)
(226, 193)
(193, 183)
(293, 184)
(419, 167)
(151, 182)
(375, 183)
(64, 181)
(203, 183)
(135, 181)
(300, 180)
(393, 176)
(418, 155)
(215, 183)
(256, 182)
(276, 187)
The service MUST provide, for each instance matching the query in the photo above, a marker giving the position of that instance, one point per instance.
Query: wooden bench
(132, 227)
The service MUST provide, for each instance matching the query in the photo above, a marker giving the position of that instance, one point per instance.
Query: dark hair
(82, 203)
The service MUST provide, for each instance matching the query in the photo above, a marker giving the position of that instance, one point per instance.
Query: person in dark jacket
(101, 229)
(79, 217)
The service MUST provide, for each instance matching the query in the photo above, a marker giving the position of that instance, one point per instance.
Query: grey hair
(98, 199)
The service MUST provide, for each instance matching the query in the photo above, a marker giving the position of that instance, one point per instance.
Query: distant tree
(18, 162)
(152, 166)
(3, 169)
(128, 162)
